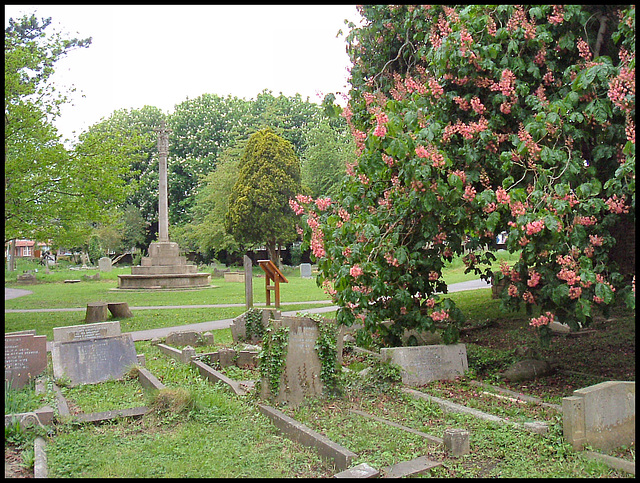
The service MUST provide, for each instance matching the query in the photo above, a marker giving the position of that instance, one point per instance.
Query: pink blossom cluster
(381, 128)
(505, 268)
(507, 83)
(512, 290)
(391, 260)
(460, 174)
(566, 261)
(569, 276)
(414, 86)
(439, 316)
(389, 161)
(297, 209)
(548, 78)
(517, 209)
(328, 288)
(344, 214)
(532, 147)
(364, 179)
(323, 203)
(467, 131)
(436, 89)
(534, 278)
(557, 15)
(439, 238)
(431, 153)
(469, 193)
(346, 252)
(430, 302)
(317, 236)
(534, 227)
(595, 240)
(616, 205)
(356, 271)
(575, 292)
(477, 105)
(528, 297)
(433, 276)
(585, 220)
(518, 19)
(541, 56)
(542, 320)
(489, 208)
(502, 196)
(491, 26)
(523, 241)
(540, 94)
(462, 103)
(583, 49)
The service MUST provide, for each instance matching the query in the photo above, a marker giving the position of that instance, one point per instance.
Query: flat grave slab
(423, 364)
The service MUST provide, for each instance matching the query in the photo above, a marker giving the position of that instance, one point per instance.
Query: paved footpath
(10, 293)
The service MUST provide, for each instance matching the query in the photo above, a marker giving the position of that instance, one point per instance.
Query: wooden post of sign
(248, 282)
(271, 273)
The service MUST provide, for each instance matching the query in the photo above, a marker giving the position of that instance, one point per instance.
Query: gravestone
(189, 337)
(72, 333)
(26, 278)
(239, 325)
(301, 375)
(25, 356)
(423, 364)
(305, 270)
(90, 361)
(104, 264)
(602, 416)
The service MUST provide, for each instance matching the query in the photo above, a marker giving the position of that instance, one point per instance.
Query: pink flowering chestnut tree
(471, 120)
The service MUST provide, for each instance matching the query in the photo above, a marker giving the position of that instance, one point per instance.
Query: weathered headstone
(26, 278)
(301, 374)
(104, 264)
(239, 324)
(72, 333)
(305, 270)
(603, 415)
(189, 337)
(423, 364)
(91, 361)
(25, 356)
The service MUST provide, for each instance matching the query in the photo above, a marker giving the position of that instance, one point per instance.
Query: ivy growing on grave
(253, 323)
(273, 356)
(326, 347)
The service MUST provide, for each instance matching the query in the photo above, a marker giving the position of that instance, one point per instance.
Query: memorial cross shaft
(163, 204)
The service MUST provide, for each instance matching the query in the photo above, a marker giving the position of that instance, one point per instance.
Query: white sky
(163, 54)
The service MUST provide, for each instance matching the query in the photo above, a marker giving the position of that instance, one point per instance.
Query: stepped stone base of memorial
(164, 268)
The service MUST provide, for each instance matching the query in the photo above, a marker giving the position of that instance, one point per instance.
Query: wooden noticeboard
(272, 273)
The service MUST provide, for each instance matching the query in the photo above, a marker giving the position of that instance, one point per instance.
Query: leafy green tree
(50, 192)
(206, 233)
(325, 158)
(269, 175)
(470, 120)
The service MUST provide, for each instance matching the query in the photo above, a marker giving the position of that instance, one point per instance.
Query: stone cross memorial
(164, 268)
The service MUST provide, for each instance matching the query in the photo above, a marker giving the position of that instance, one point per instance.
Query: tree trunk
(273, 253)
(12, 256)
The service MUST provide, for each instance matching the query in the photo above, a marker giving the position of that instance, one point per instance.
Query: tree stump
(96, 312)
(119, 310)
